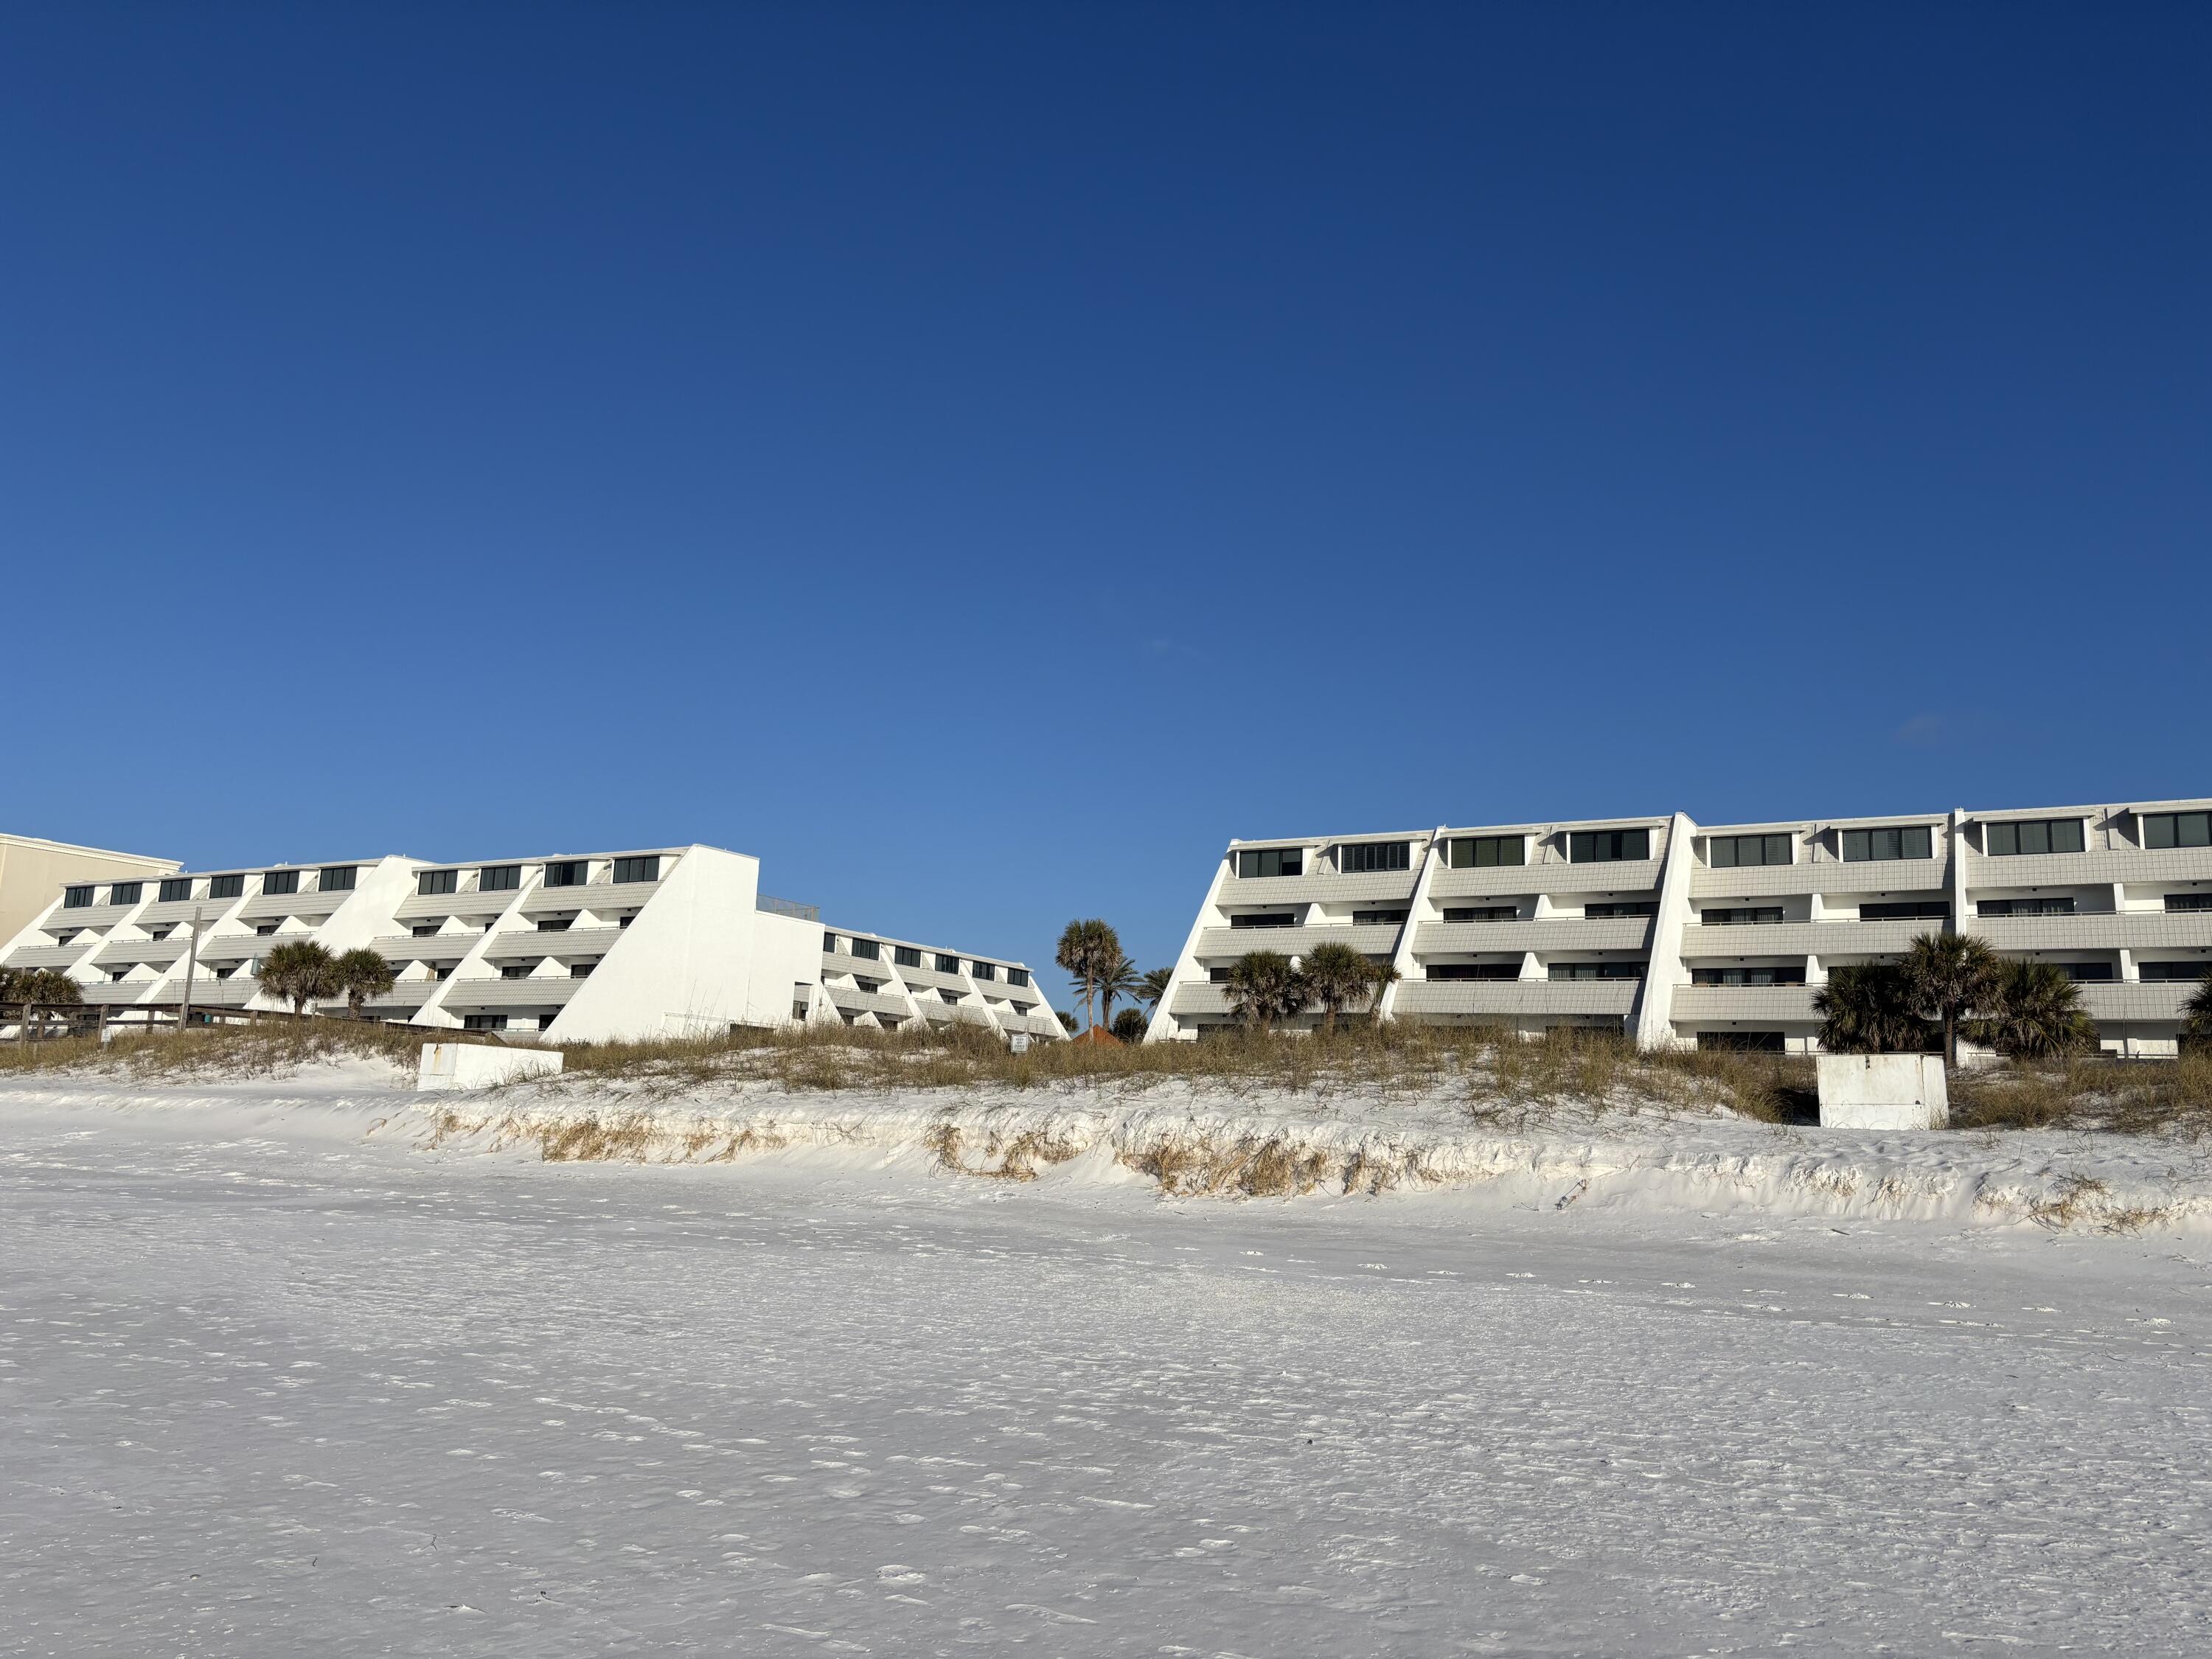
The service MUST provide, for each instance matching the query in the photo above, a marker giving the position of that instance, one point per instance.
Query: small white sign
(1018, 1041)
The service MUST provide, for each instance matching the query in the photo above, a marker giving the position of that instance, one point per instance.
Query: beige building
(31, 869)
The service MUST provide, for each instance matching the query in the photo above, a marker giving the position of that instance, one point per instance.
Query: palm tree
(2036, 1014)
(1381, 976)
(299, 969)
(48, 987)
(1866, 1009)
(362, 974)
(1336, 973)
(1085, 948)
(1129, 1025)
(1154, 988)
(1263, 987)
(1950, 976)
(1117, 977)
(2196, 1012)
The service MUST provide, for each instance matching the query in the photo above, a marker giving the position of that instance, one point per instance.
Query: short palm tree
(1866, 1009)
(300, 971)
(1335, 975)
(2036, 1014)
(1951, 977)
(1117, 977)
(2196, 1012)
(1085, 947)
(362, 974)
(1263, 987)
(1155, 988)
(47, 987)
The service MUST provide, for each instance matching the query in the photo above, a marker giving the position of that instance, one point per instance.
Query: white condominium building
(1683, 933)
(581, 947)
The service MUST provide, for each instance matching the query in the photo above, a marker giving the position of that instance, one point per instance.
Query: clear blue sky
(981, 459)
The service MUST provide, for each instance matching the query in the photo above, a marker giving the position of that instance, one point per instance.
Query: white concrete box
(1883, 1092)
(478, 1066)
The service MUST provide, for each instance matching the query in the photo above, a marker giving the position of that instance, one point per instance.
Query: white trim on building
(1681, 933)
(579, 946)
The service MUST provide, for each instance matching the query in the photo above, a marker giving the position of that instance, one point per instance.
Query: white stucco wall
(682, 965)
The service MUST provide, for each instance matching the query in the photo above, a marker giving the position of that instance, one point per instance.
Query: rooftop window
(126, 892)
(829, 944)
(338, 878)
(948, 965)
(226, 886)
(2042, 835)
(281, 881)
(571, 872)
(1017, 976)
(982, 970)
(1608, 846)
(1731, 852)
(638, 869)
(1271, 861)
(498, 878)
(905, 956)
(76, 898)
(1911, 841)
(1366, 857)
(176, 887)
(2164, 829)
(1484, 852)
(431, 882)
(868, 949)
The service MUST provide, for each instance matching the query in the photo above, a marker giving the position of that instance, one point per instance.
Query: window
(946, 965)
(2025, 907)
(949, 996)
(160, 932)
(905, 956)
(2176, 904)
(869, 986)
(2089, 973)
(829, 944)
(281, 881)
(640, 869)
(338, 878)
(425, 929)
(555, 924)
(264, 929)
(176, 889)
(2043, 835)
(1731, 852)
(1608, 846)
(1265, 919)
(581, 969)
(518, 970)
(1017, 976)
(1906, 910)
(1612, 908)
(1748, 1042)
(428, 882)
(2162, 830)
(545, 1021)
(572, 872)
(1377, 918)
(1485, 913)
(76, 898)
(867, 950)
(1484, 852)
(1597, 970)
(498, 878)
(982, 970)
(1911, 841)
(1747, 975)
(1759, 915)
(2165, 973)
(1363, 858)
(1474, 970)
(226, 886)
(1217, 976)
(483, 1022)
(625, 918)
(126, 892)
(1272, 861)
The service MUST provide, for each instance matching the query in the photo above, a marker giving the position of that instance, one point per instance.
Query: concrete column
(1654, 1026)
(1402, 958)
(1187, 970)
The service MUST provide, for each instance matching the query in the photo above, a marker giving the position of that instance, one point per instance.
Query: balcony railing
(783, 907)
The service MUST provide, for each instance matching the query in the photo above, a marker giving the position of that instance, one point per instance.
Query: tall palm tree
(1866, 1009)
(1951, 977)
(1117, 977)
(1085, 947)
(362, 974)
(1335, 975)
(1263, 987)
(1155, 989)
(299, 969)
(2036, 1013)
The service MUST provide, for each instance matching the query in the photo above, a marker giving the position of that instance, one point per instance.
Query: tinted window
(1377, 918)
(1483, 851)
(2044, 835)
(226, 886)
(1908, 910)
(1272, 861)
(867, 950)
(1267, 919)
(829, 944)
(1597, 970)
(499, 878)
(1474, 970)
(2025, 907)
(1910, 841)
(76, 898)
(2092, 973)
(982, 970)
(2176, 902)
(1728, 852)
(574, 873)
(1364, 857)
(2177, 829)
(436, 881)
(1608, 846)
(179, 887)
(1741, 916)
(281, 881)
(905, 956)
(338, 878)
(640, 869)
(1747, 975)
(2166, 972)
(948, 965)
(126, 892)
(1017, 976)
(1621, 908)
(1484, 913)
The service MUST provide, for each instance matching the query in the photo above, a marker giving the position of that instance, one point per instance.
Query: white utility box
(479, 1066)
(1883, 1092)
